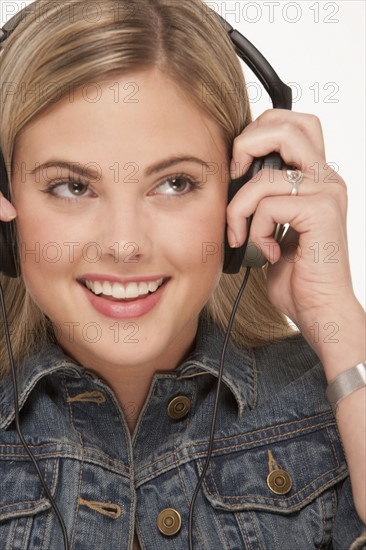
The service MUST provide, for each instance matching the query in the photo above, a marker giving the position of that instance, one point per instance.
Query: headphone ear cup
(9, 263)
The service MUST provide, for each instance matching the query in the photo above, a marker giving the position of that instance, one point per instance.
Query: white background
(319, 47)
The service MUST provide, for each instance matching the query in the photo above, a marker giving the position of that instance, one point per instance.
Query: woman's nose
(125, 234)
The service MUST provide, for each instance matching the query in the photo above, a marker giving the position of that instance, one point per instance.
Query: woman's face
(125, 215)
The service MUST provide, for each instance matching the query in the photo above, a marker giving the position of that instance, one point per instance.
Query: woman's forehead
(133, 114)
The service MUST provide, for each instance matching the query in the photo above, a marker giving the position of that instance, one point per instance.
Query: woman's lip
(122, 280)
(131, 309)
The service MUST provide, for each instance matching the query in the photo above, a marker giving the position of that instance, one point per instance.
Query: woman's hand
(309, 278)
(310, 274)
(7, 210)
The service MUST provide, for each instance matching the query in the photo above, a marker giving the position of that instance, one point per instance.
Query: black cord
(16, 407)
(213, 421)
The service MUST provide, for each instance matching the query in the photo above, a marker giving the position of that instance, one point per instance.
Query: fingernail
(233, 241)
(8, 210)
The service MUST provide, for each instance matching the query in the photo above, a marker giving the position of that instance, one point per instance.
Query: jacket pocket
(237, 480)
(23, 503)
(280, 483)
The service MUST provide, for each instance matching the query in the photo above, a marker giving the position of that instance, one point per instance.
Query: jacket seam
(203, 546)
(80, 476)
(215, 452)
(243, 530)
(283, 436)
(99, 459)
(329, 421)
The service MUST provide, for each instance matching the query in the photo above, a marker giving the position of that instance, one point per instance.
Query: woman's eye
(77, 188)
(177, 185)
(70, 189)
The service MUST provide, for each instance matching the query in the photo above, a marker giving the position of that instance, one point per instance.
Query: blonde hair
(58, 47)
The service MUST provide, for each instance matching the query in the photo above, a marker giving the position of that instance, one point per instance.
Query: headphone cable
(17, 424)
(214, 414)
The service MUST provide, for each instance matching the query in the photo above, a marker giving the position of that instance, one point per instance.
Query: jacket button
(279, 482)
(169, 522)
(179, 407)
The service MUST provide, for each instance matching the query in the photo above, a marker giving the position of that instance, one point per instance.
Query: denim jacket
(277, 479)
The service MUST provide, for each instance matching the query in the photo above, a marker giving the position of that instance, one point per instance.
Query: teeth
(152, 286)
(120, 291)
(107, 288)
(132, 290)
(143, 287)
(97, 288)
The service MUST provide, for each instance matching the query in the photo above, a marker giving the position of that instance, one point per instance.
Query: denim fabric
(273, 414)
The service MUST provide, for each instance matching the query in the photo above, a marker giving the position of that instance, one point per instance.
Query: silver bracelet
(346, 383)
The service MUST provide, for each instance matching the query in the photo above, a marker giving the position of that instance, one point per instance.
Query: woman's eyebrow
(168, 163)
(93, 173)
(88, 171)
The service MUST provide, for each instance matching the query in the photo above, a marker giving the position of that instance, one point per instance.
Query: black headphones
(234, 258)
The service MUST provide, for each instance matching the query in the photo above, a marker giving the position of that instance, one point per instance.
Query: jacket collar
(238, 372)
(29, 372)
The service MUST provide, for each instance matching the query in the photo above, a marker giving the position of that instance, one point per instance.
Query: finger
(267, 183)
(269, 213)
(289, 244)
(7, 210)
(287, 140)
(302, 214)
(309, 124)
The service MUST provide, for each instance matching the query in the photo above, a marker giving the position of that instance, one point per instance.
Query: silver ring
(295, 177)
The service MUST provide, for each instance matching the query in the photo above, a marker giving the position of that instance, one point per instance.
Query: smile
(123, 291)
(123, 300)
